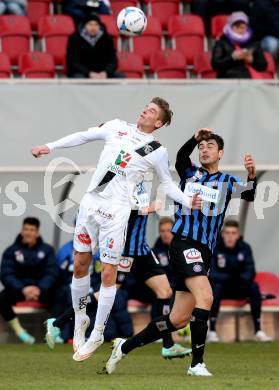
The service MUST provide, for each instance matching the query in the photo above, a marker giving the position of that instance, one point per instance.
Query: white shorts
(101, 225)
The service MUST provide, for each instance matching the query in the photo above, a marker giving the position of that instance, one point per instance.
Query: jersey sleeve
(243, 190)
(101, 132)
(161, 167)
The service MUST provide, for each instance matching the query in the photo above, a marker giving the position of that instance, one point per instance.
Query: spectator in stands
(236, 54)
(232, 275)
(13, 7)
(265, 23)
(29, 273)
(208, 8)
(81, 9)
(162, 244)
(119, 323)
(90, 52)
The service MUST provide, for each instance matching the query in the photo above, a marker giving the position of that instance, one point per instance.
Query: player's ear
(158, 123)
(221, 153)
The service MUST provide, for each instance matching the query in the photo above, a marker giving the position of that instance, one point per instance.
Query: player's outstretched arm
(75, 139)
(246, 191)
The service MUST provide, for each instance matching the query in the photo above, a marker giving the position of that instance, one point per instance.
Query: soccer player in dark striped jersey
(195, 234)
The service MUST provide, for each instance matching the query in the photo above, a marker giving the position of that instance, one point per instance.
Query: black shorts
(188, 258)
(147, 266)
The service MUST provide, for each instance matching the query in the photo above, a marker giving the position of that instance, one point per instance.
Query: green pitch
(235, 366)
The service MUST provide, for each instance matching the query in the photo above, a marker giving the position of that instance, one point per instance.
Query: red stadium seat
(217, 25)
(168, 64)
(111, 26)
(131, 64)
(15, 36)
(118, 5)
(37, 65)
(149, 41)
(54, 30)
(269, 284)
(5, 66)
(36, 9)
(202, 66)
(163, 10)
(188, 35)
(270, 72)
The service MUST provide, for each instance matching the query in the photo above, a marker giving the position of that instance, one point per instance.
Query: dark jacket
(161, 251)
(265, 18)
(23, 266)
(229, 264)
(228, 68)
(82, 58)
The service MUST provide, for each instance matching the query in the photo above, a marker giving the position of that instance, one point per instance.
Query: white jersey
(128, 154)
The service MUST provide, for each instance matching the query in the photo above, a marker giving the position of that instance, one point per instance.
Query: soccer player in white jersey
(129, 152)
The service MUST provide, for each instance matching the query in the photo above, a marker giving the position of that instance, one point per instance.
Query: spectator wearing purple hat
(236, 54)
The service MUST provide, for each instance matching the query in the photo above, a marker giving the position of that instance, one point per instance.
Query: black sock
(198, 325)
(212, 322)
(67, 316)
(162, 309)
(257, 324)
(155, 330)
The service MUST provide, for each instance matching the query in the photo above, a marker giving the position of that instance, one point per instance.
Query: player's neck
(146, 130)
(211, 169)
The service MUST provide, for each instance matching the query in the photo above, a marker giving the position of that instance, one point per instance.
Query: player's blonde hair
(165, 108)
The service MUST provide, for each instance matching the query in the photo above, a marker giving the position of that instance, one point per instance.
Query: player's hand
(197, 202)
(250, 166)
(39, 151)
(154, 206)
(202, 134)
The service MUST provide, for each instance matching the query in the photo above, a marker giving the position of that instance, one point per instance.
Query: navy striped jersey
(216, 190)
(136, 244)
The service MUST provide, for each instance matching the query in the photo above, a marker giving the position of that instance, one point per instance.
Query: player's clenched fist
(39, 151)
(203, 134)
(197, 202)
(250, 166)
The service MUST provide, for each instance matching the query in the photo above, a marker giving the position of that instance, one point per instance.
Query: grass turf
(235, 366)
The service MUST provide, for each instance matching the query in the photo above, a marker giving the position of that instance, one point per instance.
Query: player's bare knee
(81, 264)
(163, 293)
(108, 275)
(205, 301)
(179, 321)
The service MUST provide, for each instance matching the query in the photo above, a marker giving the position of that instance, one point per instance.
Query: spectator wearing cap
(29, 273)
(232, 276)
(236, 55)
(13, 7)
(90, 51)
(265, 22)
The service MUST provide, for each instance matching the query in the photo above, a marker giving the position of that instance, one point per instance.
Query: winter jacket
(228, 264)
(24, 266)
(228, 68)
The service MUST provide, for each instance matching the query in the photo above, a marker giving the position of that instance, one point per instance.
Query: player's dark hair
(231, 223)
(219, 140)
(32, 221)
(165, 220)
(165, 108)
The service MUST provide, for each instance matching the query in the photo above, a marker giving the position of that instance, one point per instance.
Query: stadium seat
(149, 41)
(111, 26)
(15, 36)
(217, 25)
(118, 5)
(187, 35)
(5, 66)
(36, 9)
(130, 64)
(269, 284)
(163, 10)
(36, 65)
(202, 66)
(54, 31)
(168, 64)
(270, 72)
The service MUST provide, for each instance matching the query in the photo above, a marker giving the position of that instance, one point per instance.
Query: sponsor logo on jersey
(197, 268)
(116, 169)
(192, 256)
(104, 214)
(122, 133)
(125, 264)
(123, 158)
(110, 243)
(207, 194)
(84, 238)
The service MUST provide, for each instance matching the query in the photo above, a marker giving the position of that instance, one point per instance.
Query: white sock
(80, 290)
(105, 303)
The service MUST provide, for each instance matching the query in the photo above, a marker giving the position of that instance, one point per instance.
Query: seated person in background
(13, 7)
(161, 247)
(90, 51)
(232, 275)
(80, 9)
(119, 322)
(29, 273)
(236, 55)
(265, 23)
